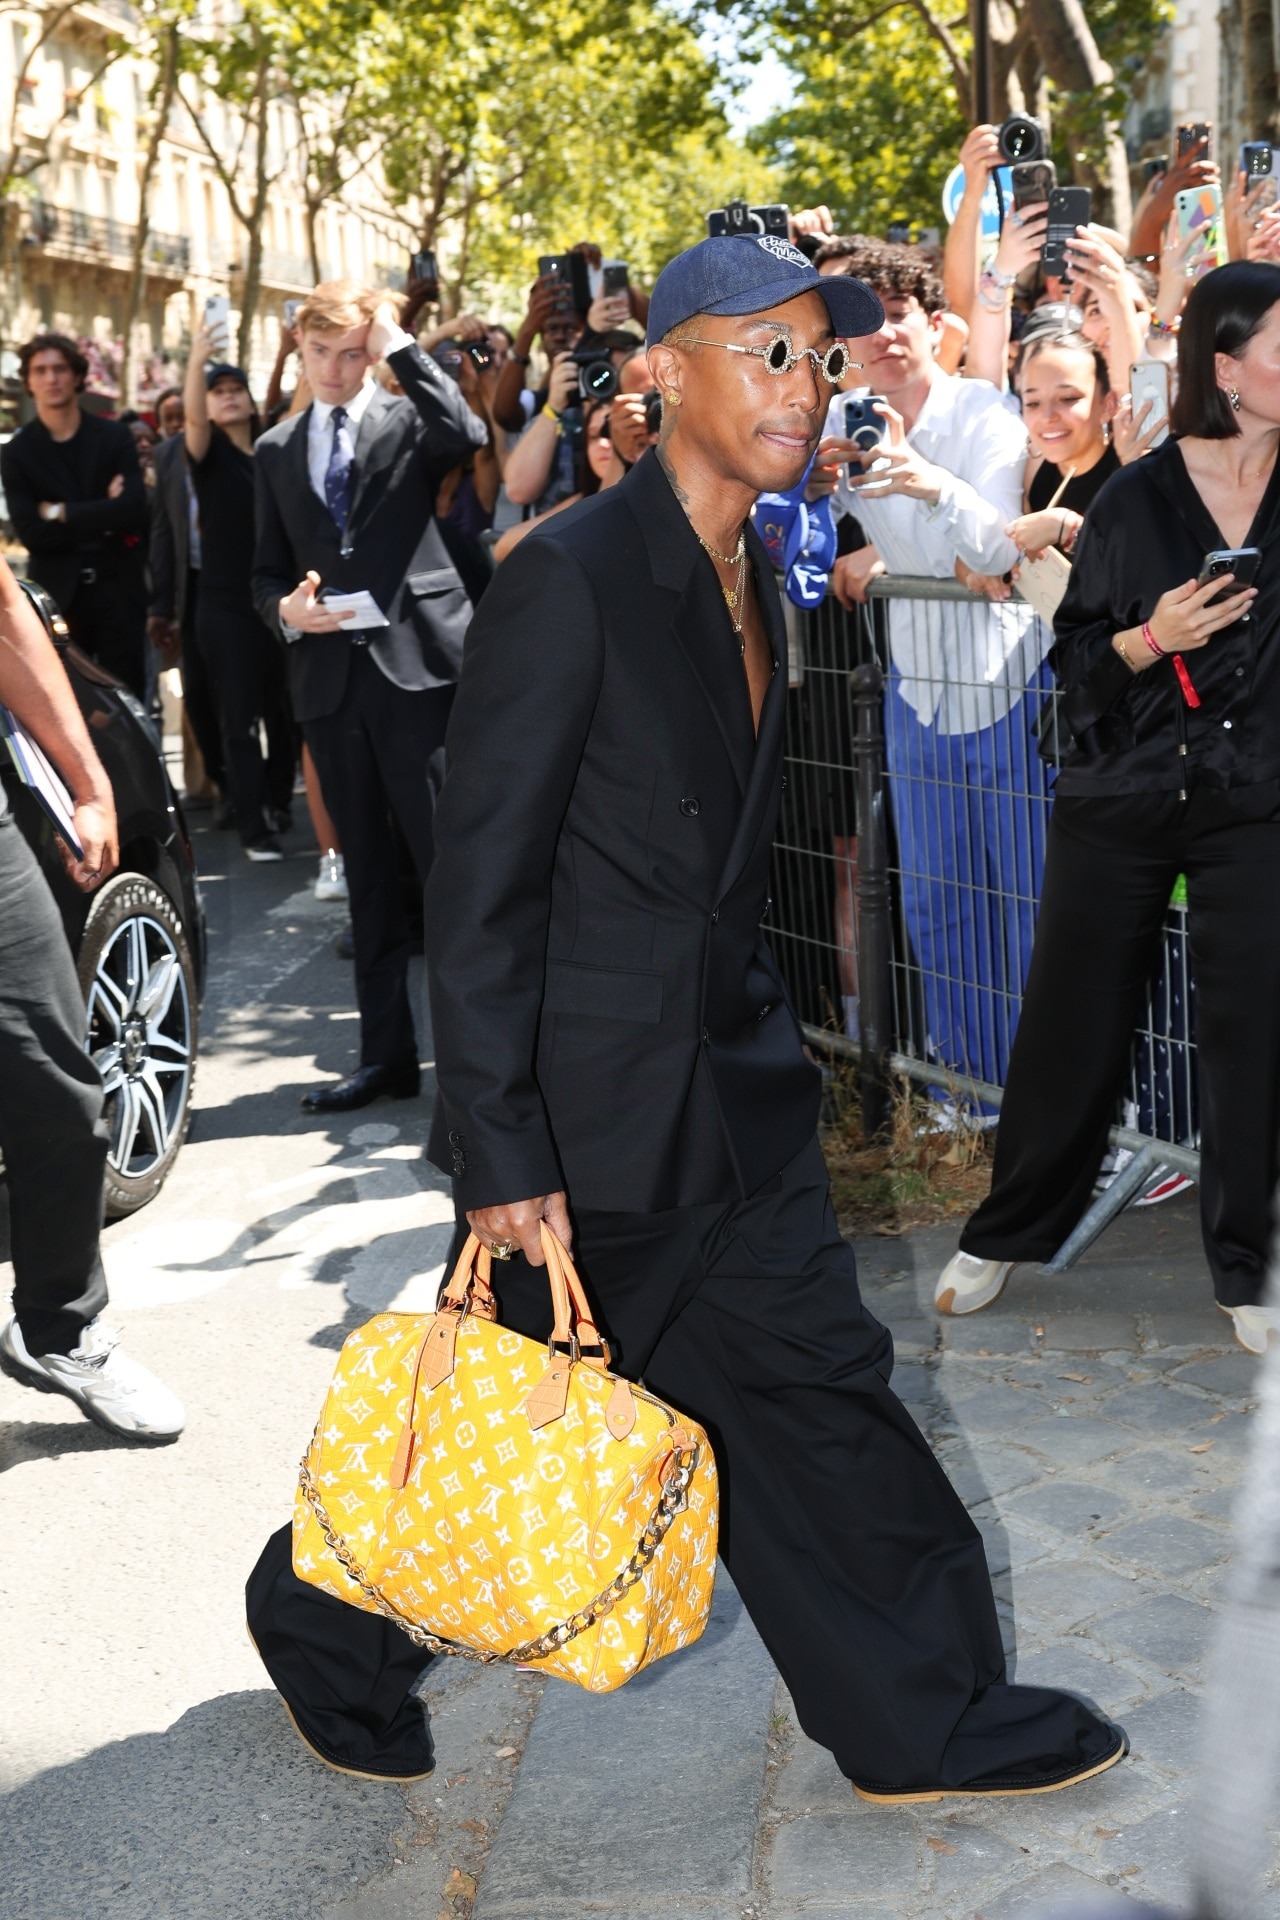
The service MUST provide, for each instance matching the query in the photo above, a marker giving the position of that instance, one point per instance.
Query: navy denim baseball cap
(223, 370)
(748, 273)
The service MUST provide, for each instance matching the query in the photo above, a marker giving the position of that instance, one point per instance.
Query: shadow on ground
(239, 1824)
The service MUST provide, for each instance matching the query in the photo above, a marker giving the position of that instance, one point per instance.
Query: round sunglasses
(780, 356)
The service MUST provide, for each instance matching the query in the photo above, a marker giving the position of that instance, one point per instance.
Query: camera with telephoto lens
(739, 218)
(653, 411)
(1022, 138)
(597, 375)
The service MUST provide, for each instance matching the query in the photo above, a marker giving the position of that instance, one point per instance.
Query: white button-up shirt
(320, 426)
(963, 666)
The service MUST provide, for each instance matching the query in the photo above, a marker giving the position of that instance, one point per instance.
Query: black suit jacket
(97, 532)
(607, 1015)
(170, 531)
(392, 546)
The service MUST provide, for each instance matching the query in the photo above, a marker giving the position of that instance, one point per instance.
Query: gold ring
(503, 1249)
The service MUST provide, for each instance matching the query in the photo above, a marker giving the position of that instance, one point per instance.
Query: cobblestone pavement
(1095, 1421)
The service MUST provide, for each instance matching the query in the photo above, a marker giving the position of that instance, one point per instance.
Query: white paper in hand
(357, 609)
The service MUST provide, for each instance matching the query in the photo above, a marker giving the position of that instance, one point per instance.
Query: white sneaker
(1256, 1328)
(331, 881)
(967, 1283)
(100, 1377)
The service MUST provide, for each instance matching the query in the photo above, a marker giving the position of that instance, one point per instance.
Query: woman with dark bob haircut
(1172, 694)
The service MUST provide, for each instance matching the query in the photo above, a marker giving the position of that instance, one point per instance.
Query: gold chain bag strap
(500, 1501)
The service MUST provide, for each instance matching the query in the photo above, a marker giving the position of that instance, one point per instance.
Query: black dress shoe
(364, 1085)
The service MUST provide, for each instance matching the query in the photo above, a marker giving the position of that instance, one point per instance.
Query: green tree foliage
(881, 108)
(874, 127)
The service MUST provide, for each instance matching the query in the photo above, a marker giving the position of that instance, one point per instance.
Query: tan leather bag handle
(571, 1313)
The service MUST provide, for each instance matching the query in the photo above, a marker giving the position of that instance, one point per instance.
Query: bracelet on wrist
(1158, 326)
(997, 277)
(549, 413)
(1125, 654)
(1152, 642)
(521, 359)
(992, 300)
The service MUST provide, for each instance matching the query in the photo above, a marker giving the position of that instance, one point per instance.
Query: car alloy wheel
(138, 980)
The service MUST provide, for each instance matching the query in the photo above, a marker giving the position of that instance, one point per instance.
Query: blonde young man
(346, 492)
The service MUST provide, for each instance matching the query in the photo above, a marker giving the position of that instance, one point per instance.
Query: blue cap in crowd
(749, 273)
(223, 370)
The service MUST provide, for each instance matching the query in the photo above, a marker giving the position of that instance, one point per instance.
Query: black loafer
(371, 1770)
(364, 1085)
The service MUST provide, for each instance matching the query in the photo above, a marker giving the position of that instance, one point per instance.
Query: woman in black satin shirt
(1172, 694)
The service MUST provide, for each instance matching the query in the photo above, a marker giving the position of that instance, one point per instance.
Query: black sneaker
(224, 816)
(264, 849)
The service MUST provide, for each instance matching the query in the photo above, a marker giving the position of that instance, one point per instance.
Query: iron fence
(907, 868)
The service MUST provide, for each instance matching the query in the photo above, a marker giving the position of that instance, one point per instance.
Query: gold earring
(673, 399)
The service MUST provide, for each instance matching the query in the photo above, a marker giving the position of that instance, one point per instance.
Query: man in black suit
(175, 582)
(78, 503)
(346, 502)
(616, 1056)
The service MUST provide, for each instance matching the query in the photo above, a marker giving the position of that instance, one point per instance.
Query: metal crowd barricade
(909, 857)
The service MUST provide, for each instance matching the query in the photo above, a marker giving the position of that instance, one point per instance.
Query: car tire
(139, 985)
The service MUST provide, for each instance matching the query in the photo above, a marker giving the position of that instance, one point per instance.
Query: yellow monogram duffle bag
(505, 1501)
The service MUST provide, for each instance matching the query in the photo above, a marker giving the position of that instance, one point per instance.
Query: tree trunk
(1257, 55)
(258, 212)
(161, 103)
(1072, 61)
(313, 241)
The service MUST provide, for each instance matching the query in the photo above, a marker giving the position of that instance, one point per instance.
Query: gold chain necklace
(734, 596)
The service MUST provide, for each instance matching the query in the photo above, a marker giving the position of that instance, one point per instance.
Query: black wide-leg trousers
(381, 753)
(1110, 866)
(853, 1555)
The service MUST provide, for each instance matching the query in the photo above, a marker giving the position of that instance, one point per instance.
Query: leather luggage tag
(549, 1398)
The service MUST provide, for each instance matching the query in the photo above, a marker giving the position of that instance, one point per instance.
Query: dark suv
(138, 940)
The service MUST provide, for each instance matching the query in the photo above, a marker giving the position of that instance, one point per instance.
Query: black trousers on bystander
(381, 754)
(853, 1554)
(51, 1128)
(1110, 867)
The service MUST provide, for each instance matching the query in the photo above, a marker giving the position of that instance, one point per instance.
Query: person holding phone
(243, 659)
(1171, 690)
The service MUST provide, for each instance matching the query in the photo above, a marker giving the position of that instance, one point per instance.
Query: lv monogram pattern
(502, 1530)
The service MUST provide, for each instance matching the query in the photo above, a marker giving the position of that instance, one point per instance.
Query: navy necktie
(337, 475)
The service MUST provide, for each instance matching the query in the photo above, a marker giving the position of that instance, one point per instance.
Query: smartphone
(217, 320)
(1153, 168)
(862, 424)
(1069, 208)
(614, 278)
(571, 276)
(1199, 215)
(290, 311)
(1241, 562)
(1033, 182)
(1149, 380)
(1188, 137)
(1257, 163)
(898, 233)
(423, 270)
(555, 268)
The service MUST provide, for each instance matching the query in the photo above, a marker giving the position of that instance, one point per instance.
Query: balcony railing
(107, 239)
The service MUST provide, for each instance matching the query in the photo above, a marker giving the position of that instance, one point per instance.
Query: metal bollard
(874, 932)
